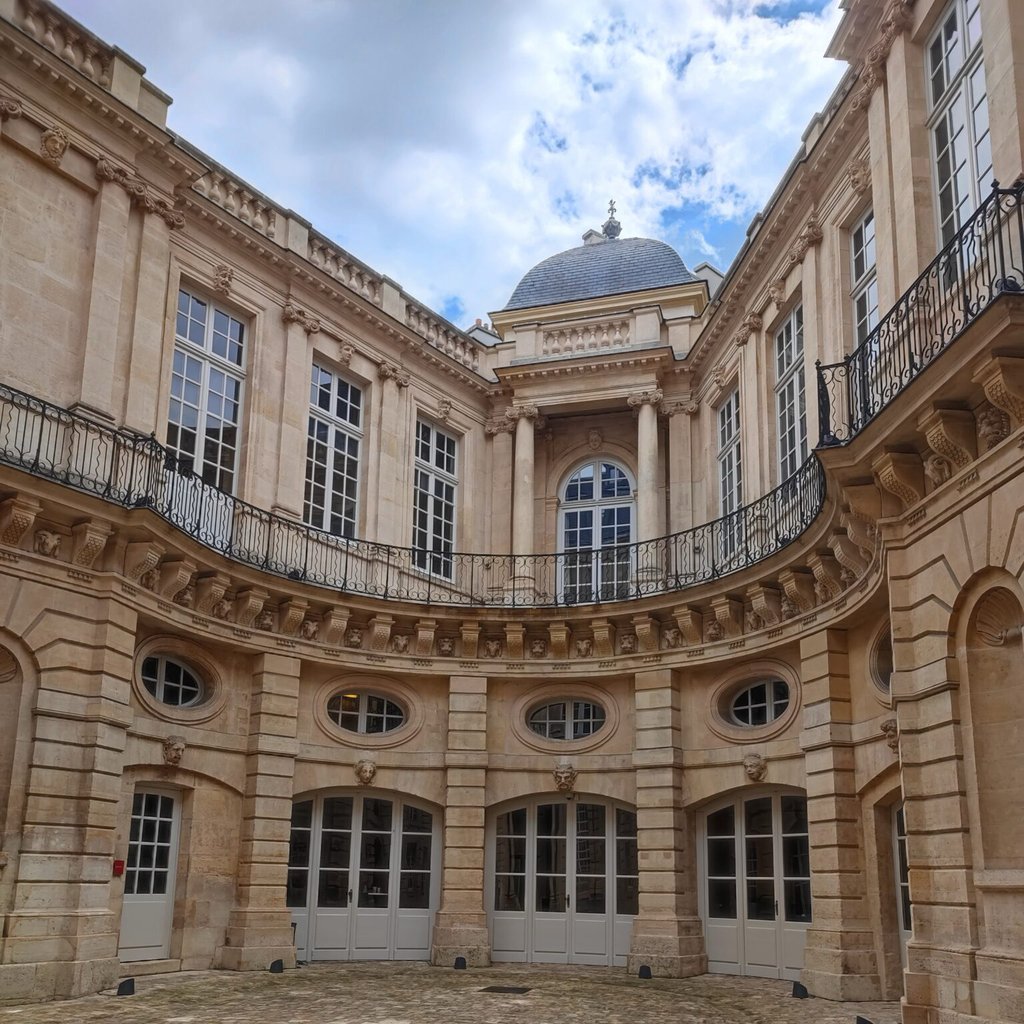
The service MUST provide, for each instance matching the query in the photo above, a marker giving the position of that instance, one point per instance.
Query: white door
(899, 837)
(755, 885)
(362, 878)
(565, 881)
(148, 907)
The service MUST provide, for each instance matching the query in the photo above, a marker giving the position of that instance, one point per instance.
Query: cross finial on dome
(611, 227)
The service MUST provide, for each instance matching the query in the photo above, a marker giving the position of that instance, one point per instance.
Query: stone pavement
(404, 993)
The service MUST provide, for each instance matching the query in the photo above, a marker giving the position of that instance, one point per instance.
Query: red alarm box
(118, 868)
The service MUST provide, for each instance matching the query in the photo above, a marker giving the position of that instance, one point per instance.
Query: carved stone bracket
(901, 474)
(798, 588)
(389, 371)
(810, 236)
(16, 518)
(291, 615)
(334, 622)
(426, 629)
(765, 603)
(752, 323)
(559, 635)
(1002, 380)
(896, 19)
(729, 615)
(380, 632)
(140, 557)
(88, 540)
(647, 633)
(291, 314)
(210, 590)
(827, 584)
(248, 605)
(848, 554)
(950, 433)
(175, 576)
(604, 638)
(691, 625)
(140, 193)
(515, 639)
(470, 632)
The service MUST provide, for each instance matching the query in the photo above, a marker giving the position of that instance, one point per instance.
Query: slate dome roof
(609, 266)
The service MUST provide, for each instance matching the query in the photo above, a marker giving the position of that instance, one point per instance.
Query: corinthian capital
(652, 397)
(388, 371)
(525, 412)
(291, 314)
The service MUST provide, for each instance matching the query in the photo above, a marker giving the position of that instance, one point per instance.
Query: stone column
(839, 961)
(1002, 35)
(393, 458)
(679, 416)
(111, 207)
(525, 416)
(60, 938)
(142, 411)
(500, 430)
(460, 927)
(645, 403)
(296, 365)
(667, 933)
(259, 927)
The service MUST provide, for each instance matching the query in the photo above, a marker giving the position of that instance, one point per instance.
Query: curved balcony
(983, 261)
(134, 471)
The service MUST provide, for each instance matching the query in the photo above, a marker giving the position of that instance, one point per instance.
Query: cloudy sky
(452, 144)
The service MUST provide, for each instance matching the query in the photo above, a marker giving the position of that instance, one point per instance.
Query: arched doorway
(755, 883)
(562, 881)
(363, 879)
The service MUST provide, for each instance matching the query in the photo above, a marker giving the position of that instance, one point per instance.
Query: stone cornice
(587, 363)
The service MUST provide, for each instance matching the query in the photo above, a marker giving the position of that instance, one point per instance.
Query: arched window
(595, 533)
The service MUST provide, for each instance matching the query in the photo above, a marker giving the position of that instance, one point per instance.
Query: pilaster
(460, 926)
(667, 933)
(839, 959)
(259, 927)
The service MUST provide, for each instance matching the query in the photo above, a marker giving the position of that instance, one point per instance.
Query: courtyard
(414, 993)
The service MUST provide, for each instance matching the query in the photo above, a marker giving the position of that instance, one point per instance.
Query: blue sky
(452, 144)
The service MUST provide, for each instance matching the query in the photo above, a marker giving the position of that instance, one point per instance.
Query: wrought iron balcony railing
(134, 471)
(981, 262)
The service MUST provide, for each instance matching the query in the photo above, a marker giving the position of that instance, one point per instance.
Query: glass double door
(362, 878)
(564, 883)
(756, 885)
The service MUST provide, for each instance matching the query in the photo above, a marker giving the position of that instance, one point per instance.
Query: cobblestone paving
(392, 993)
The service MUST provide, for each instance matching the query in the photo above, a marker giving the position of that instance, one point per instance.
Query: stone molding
(292, 314)
(389, 371)
(139, 192)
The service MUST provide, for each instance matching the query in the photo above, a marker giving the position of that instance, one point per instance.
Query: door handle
(776, 909)
(567, 899)
(350, 898)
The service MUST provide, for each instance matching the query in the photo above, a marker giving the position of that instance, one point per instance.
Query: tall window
(790, 400)
(433, 514)
(206, 391)
(959, 115)
(864, 275)
(332, 453)
(596, 533)
(730, 468)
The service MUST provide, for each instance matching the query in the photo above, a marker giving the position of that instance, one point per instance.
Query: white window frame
(730, 460)
(864, 278)
(212, 366)
(791, 394)
(364, 715)
(955, 82)
(340, 423)
(435, 491)
(578, 713)
(590, 560)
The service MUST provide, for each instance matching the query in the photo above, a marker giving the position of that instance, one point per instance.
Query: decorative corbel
(334, 622)
(691, 625)
(380, 632)
(291, 615)
(89, 539)
(604, 638)
(16, 518)
(389, 371)
(752, 323)
(175, 576)
(826, 571)
(515, 637)
(765, 603)
(848, 554)
(729, 615)
(470, 640)
(950, 434)
(140, 557)
(1002, 380)
(292, 314)
(559, 635)
(248, 605)
(426, 629)
(798, 588)
(647, 633)
(210, 589)
(902, 475)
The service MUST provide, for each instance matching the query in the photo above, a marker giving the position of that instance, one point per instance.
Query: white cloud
(452, 144)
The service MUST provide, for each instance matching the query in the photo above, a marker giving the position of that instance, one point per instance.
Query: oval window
(171, 682)
(566, 719)
(365, 712)
(881, 661)
(761, 703)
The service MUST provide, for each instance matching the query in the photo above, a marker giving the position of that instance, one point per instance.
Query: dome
(605, 266)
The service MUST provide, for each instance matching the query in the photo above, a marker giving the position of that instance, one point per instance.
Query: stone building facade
(732, 679)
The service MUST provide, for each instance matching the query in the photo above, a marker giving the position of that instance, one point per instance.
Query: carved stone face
(354, 637)
(400, 643)
(174, 750)
(628, 644)
(672, 638)
(265, 619)
(492, 648)
(446, 646)
(309, 629)
(47, 543)
(584, 648)
(538, 648)
(755, 766)
(365, 771)
(565, 777)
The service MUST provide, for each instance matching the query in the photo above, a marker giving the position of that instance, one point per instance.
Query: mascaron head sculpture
(365, 771)
(755, 766)
(565, 777)
(174, 750)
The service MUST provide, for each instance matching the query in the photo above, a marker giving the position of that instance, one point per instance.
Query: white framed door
(363, 882)
(902, 880)
(563, 880)
(755, 884)
(147, 910)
